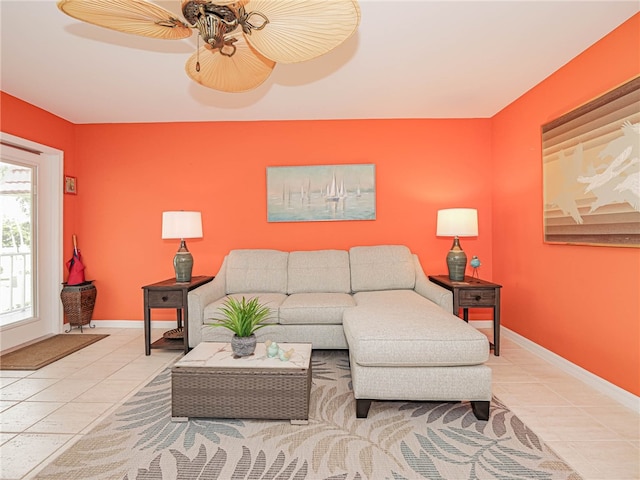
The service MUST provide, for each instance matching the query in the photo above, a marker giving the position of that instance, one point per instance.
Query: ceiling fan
(243, 39)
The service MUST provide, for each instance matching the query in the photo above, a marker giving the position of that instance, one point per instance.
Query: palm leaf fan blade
(243, 71)
(137, 17)
(299, 30)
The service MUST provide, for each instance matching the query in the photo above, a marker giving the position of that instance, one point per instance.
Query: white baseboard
(482, 323)
(622, 396)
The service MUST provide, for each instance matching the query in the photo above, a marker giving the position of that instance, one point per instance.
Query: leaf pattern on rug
(203, 468)
(461, 412)
(324, 366)
(524, 434)
(334, 433)
(398, 441)
(101, 454)
(488, 454)
(149, 409)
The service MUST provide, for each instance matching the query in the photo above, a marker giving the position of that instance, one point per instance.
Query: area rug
(44, 352)
(398, 441)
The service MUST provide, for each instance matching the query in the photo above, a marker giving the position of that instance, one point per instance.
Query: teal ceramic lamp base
(456, 262)
(183, 264)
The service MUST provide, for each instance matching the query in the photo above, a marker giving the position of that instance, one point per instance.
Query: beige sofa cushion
(383, 267)
(271, 300)
(254, 271)
(315, 308)
(319, 271)
(399, 328)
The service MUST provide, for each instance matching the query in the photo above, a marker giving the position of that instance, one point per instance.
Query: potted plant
(243, 318)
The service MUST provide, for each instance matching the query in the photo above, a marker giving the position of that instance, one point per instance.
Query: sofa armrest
(199, 298)
(431, 291)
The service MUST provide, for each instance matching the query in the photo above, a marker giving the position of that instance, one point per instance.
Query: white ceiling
(408, 59)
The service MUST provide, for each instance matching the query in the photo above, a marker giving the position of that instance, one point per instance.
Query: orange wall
(581, 302)
(130, 173)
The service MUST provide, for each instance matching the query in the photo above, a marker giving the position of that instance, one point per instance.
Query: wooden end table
(169, 294)
(474, 293)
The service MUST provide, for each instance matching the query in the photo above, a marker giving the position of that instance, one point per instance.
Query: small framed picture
(70, 185)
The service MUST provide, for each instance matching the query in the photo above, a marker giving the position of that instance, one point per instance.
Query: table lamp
(182, 225)
(457, 222)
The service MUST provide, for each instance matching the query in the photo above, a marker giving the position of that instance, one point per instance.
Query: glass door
(17, 256)
(31, 263)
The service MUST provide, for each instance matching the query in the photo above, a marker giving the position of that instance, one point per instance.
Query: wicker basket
(78, 302)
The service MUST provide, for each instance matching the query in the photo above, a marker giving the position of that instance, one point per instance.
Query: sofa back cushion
(382, 267)
(255, 271)
(319, 271)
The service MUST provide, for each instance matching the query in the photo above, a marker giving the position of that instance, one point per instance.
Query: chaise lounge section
(404, 343)
(403, 347)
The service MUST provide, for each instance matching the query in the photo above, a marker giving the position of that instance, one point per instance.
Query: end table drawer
(470, 297)
(168, 299)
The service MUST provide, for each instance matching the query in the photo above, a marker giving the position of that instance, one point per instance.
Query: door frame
(49, 262)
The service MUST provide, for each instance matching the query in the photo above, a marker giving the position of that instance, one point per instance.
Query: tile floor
(44, 412)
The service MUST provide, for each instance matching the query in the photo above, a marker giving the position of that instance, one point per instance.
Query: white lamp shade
(457, 222)
(181, 224)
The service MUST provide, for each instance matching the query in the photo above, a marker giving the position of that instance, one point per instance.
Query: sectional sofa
(404, 342)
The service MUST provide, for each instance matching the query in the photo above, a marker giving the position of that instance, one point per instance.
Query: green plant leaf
(242, 317)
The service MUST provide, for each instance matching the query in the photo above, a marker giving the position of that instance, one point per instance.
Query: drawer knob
(165, 298)
(478, 298)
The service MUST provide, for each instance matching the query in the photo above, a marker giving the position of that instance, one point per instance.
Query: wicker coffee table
(210, 382)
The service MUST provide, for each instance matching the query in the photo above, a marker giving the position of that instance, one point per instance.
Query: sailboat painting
(320, 193)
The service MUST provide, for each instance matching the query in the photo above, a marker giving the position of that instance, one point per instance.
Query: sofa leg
(362, 408)
(481, 409)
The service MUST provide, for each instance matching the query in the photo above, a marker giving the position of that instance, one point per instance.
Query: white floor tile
(112, 391)
(528, 394)
(568, 423)
(25, 388)
(55, 370)
(618, 418)
(70, 418)
(509, 373)
(580, 394)
(98, 370)
(4, 381)
(4, 404)
(15, 373)
(21, 416)
(5, 437)
(64, 390)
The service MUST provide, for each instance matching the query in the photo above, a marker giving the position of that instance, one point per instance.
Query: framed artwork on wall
(321, 193)
(70, 185)
(591, 171)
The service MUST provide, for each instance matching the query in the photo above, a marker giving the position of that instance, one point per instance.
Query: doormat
(44, 352)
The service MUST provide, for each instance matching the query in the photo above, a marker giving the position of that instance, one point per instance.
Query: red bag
(75, 266)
